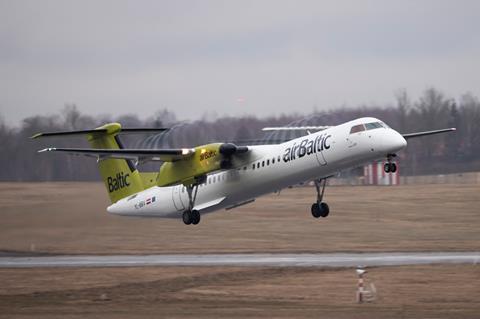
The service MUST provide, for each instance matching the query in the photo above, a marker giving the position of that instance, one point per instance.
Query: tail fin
(120, 176)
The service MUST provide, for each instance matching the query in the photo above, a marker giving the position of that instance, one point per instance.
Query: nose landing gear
(390, 167)
(320, 209)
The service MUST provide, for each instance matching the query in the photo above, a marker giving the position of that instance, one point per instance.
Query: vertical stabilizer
(120, 176)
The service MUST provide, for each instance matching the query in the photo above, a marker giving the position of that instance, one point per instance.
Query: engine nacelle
(206, 159)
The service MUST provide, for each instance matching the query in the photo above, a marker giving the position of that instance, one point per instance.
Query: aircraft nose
(393, 141)
(114, 209)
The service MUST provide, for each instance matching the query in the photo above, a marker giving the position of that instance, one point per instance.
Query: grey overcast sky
(258, 57)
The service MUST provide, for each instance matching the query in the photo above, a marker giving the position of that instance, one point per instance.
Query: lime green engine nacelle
(193, 170)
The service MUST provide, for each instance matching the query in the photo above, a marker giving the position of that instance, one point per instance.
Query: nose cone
(393, 141)
(116, 208)
(111, 209)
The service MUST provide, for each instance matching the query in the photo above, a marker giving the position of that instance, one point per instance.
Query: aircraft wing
(418, 134)
(164, 155)
(295, 128)
(100, 130)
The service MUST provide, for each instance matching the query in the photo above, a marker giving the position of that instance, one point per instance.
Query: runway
(264, 260)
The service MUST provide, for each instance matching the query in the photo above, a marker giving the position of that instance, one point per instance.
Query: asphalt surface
(269, 260)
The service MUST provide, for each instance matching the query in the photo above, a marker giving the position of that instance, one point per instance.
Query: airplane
(195, 181)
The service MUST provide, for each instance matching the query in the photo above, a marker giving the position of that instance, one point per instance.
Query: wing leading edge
(418, 134)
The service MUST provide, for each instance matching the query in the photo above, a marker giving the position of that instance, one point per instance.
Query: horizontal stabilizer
(418, 134)
(139, 155)
(296, 128)
(101, 130)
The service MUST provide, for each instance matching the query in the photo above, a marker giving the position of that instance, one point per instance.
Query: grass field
(179, 292)
(70, 218)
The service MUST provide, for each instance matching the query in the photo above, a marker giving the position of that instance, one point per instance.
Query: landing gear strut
(320, 209)
(191, 216)
(390, 167)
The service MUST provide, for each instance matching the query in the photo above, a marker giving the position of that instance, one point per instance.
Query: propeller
(228, 150)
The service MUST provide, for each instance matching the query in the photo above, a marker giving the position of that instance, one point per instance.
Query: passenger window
(258, 165)
(263, 163)
(253, 166)
(273, 160)
(278, 158)
(357, 128)
(268, 162)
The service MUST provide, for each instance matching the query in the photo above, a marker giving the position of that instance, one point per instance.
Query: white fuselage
(268, 168)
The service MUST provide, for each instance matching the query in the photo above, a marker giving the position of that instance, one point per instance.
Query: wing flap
(142, 155)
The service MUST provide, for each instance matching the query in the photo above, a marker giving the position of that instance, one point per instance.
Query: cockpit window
(374, 125)
(357, 128)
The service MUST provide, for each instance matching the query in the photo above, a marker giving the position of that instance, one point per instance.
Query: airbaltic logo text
(117, 182)
(207, 155)
(307, 147)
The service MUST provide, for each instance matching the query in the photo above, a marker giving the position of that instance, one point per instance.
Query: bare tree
(21, 162)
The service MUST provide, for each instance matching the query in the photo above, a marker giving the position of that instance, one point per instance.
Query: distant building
(374, 174)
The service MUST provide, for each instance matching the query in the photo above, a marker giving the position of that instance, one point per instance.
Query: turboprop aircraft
(195, 181)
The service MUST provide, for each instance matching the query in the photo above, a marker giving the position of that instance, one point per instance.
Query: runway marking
(269, 260)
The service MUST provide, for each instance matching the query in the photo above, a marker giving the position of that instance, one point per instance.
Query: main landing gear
(191, 216)
(390, 167)
(320, 209)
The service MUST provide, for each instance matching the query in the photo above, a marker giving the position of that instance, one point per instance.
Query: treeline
(447, 153)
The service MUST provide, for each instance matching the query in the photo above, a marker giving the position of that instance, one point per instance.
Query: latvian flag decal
(150, 200)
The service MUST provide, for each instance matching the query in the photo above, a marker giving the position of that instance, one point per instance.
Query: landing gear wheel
(324, 209)
(390, 167)
(195, 217)
(192, 216)
(320, 210)
(387, 167)
(393, 167)
(316, 210)
(187, 217)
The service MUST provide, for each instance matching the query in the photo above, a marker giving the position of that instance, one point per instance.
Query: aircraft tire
(187, 217)
(316, 210)
(393, 168)
(387, 167)
(195, 217)
(324, 209)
